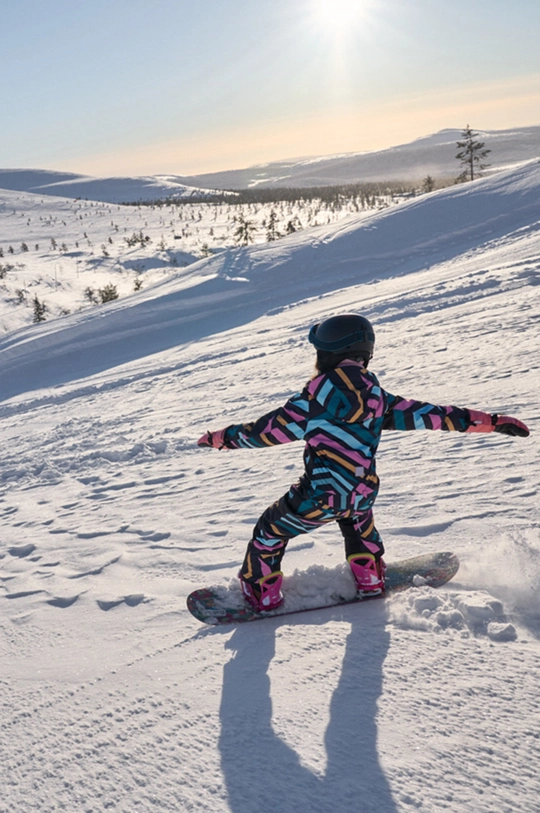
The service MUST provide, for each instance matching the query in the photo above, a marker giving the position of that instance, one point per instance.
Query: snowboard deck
(219, 605)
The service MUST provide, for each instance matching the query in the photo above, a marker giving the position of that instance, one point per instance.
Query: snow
(433, 155)
(111, 190)
(60, 250)
(113, 696)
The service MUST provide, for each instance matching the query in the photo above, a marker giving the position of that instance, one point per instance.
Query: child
(340, 415)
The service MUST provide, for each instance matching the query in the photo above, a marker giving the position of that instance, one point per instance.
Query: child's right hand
(214, 440)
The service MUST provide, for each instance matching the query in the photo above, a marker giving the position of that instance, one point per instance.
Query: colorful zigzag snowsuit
(340, 415)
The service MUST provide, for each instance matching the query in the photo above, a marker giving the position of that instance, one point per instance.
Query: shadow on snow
(261, 771)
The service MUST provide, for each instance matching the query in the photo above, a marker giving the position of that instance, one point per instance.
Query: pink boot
(368, 573)
(266, 593)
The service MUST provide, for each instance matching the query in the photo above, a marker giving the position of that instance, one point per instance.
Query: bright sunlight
(337, 13)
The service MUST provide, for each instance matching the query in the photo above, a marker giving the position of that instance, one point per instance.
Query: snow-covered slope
(63, 252)
(113, 697)
(414, 237)
(110, 190)
(433, 155)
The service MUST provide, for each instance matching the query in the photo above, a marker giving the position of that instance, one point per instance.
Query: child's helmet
(346, 333)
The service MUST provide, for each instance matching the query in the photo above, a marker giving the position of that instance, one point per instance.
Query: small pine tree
(90, 295)
(39, 310)
(243, 234)
(290, 227)
(471, 154)
(108, 293)
(271, 230)
(428, 184)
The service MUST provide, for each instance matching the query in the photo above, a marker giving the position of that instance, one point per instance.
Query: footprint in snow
(63, 602)
(131, 601)
(21, 551)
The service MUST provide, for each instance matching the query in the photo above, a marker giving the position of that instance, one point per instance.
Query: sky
(136, 87)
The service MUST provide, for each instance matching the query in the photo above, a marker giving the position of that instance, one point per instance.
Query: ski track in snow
(113, 697)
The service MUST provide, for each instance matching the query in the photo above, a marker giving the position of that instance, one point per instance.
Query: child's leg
(261, 570)
(361, 535)
(364, 549)
(261, 560)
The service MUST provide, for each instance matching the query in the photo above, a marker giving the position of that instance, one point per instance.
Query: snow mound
(428, 610)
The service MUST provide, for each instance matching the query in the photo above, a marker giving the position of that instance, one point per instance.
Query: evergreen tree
(39, 310)
(243, 234)
(471, 154)
(108, 293)
(271, 230)
(90, 295)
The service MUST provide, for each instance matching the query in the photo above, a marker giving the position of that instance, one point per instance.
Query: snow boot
(368, 573)
(265, 594)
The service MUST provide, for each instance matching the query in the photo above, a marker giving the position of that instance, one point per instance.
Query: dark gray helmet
(348, 332)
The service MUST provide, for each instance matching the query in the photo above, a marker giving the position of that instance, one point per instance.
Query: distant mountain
(431, 155)
(109, 190)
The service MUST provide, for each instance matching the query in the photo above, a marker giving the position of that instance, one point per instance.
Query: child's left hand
(482, 422)
(511, 426)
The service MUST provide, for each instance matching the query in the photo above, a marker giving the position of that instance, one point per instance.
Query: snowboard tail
(221, 605)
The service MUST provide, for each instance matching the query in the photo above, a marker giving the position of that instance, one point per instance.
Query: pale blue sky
(171, 86)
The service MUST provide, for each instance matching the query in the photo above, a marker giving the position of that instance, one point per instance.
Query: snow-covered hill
(113, 697)
(110, 190)
(433, 155)
(61, 253)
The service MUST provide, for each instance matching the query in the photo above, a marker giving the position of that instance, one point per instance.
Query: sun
(337, 13)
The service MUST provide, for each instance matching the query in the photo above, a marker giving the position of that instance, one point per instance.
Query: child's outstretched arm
(408, 414)
(283, 425)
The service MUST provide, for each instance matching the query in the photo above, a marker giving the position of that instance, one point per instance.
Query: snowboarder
(340, 414)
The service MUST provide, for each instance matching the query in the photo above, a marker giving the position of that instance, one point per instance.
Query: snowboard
(222, 605)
